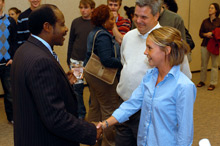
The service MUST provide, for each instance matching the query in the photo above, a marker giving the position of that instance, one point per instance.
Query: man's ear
(47, 27)
(156, 16)
(168, 50)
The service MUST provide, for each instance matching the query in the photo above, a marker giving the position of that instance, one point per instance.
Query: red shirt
(123, 25)
(208, 26)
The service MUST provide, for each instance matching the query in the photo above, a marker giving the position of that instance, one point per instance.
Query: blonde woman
(165, 96)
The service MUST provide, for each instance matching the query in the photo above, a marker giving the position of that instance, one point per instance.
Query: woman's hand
(208, 35)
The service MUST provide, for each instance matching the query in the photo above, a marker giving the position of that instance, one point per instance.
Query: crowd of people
(151, 99)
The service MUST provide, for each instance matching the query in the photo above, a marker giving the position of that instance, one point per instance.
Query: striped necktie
(56, 57)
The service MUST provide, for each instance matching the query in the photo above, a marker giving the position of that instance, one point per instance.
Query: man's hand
(9, 62)
(72, 79)
(115, 14)
(99, 130)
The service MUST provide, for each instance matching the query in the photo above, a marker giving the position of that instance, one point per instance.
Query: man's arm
(71, 42)
(117, 34)
(46, 83)
(121, 27)
(181, 28)
(12, 39)
(22, 30)
(12, 36)
(185, 67)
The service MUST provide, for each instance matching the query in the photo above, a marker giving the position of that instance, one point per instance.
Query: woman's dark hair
(37, 18)
(172, 5)
(129, 12)
(216, 8)
(100, 15)
(16, 10)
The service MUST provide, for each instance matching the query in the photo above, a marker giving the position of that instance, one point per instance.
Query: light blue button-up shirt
(166, 109)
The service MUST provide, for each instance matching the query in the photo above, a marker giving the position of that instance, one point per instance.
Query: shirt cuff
(120, 116)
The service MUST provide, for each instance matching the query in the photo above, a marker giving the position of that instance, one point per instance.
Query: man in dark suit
(44, 102)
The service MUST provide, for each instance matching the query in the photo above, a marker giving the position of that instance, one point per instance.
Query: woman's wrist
(105, 124)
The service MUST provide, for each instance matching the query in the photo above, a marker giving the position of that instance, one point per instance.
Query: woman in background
(104, 99)
(165, 96)
(14, 13)
(208, 25)
(130, 13)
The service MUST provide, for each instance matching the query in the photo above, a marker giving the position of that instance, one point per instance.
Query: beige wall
(192, 11)
(199, 11)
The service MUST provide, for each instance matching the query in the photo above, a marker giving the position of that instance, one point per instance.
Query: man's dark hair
(172, 5)
(44, 13)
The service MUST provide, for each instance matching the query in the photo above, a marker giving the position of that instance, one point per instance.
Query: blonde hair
(169, 36)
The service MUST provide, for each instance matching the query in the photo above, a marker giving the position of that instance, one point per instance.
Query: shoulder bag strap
(94, 39)
(94, 43)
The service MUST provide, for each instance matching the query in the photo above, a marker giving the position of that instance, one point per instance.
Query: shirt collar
(118, 18)
(175, 71)
(44, 42)
(3, 15)
(213, 19)
(146, 34)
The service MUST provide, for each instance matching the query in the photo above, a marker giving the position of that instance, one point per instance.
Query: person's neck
(1, 12)
(162, 9)
(149, 29)
(212, 17)
(32, 8)
(86, 18)
(163, 71)
(46, 38)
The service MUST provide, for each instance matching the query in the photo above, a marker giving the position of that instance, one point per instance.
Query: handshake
(100, 126)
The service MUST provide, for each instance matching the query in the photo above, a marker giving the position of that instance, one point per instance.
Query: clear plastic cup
(77, 67)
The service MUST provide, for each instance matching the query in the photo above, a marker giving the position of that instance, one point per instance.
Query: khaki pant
(205, 55)
(104, 100)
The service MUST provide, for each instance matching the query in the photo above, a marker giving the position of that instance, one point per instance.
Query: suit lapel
(41, 46)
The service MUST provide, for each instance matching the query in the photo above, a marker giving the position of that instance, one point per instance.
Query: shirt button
(145, 137)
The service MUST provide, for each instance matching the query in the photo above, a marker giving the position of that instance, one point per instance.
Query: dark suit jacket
(45, 106)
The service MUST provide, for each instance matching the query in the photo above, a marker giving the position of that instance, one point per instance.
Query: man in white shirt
(135, 63)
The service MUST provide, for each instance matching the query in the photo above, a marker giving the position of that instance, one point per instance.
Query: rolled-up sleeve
(184, 110)
(131, 106)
